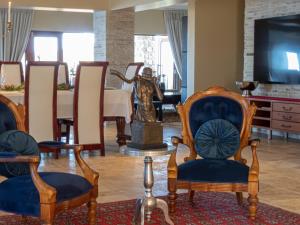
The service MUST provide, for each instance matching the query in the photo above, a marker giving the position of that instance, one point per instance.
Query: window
(293, 62)
(45, 48)
(155, 52)
(77, 47)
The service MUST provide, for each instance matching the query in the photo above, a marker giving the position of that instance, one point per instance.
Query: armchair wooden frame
(48, 205)
(17, 110)
(251, 187)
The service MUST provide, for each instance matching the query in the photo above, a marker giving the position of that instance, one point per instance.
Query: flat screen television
(277, 50)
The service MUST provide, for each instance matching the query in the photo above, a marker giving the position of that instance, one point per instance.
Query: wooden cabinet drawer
(292, 117)
(283, 125)
(286, 107)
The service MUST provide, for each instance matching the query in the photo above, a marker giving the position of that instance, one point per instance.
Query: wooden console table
(273, 113)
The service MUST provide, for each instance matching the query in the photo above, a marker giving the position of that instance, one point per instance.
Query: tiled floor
(121, 177)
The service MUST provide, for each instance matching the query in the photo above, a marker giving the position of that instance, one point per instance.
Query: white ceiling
(179, 6)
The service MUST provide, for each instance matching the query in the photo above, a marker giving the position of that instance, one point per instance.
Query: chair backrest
(216, 103)
(12, 73)
(11, 118)
(131, 71)
(63, 74)
(88, 104)
(41, 100)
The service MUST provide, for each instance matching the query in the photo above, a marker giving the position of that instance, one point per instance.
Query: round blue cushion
(217, 139)
(18, 142)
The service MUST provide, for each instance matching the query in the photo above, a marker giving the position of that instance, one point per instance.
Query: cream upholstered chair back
(88, 105)
(63, 74)
(12, 73)
(41, 100)
(131, 71)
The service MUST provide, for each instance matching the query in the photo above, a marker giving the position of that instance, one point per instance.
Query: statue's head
(147, 72)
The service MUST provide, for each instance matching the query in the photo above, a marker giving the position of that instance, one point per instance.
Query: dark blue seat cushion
(217, 139)
(52, 144)
(215, 107)
(7, 119)
(20, 143)
(19, 195)
(213, 171)
(8, 154)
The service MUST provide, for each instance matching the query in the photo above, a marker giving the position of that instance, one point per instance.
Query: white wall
(150, 23)
(59, 4)
(147, 22)
(63, 21)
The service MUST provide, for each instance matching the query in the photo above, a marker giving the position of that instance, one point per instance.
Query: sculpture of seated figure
(146, 131)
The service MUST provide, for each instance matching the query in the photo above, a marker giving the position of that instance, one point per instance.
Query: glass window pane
(45, 48)
(155, 52)
(77, 47)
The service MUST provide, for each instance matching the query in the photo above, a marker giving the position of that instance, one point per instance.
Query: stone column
(114, 40)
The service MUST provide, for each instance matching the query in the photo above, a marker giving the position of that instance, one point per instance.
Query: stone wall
(258, 9)
(114, 40)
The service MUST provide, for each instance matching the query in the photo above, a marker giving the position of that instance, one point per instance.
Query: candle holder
(9, 26)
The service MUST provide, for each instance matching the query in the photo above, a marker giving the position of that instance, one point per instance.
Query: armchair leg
(68, 133)
(253, 200)
(191, 195)
(47, 214)
(92, 211)
(172, 195)
(239, 197)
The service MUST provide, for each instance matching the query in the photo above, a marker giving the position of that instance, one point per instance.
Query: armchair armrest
(46, 192)
(20, 159)
(253, 141)
(176, 140)
(89, 174)
(172, 165)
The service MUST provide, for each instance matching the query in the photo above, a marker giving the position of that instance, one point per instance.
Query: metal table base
(145, 206)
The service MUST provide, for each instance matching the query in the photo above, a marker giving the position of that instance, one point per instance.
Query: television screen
(277, 50)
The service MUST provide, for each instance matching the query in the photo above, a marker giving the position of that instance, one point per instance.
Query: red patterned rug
(209, 209)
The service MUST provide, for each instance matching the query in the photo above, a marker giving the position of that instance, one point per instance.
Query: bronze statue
(145, 87)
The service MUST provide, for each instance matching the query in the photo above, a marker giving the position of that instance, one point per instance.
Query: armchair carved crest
(216, 126)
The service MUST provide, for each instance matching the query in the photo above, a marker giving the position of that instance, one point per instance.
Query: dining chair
(11, 73)
(216, 127)
(88, 105)
(131, 71)
(28, 192)
(63, 79)
(63, 74)
(41, 105)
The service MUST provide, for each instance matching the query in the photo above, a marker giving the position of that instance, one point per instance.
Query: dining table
(117, 107)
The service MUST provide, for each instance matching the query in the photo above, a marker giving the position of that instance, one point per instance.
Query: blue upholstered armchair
(28, 192)
(216, 128)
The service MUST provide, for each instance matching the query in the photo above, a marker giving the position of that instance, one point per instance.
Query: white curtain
(13, 43)
(173, 22)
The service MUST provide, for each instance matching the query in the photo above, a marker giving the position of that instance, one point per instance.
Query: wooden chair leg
(239, 197)
(191, 195)
(253, 200)
(59, 130)
(56, 152)
(47, 214)
(92, 205)
(68, 133)
(172, 195)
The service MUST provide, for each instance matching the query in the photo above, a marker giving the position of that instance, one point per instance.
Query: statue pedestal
(146, 135)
